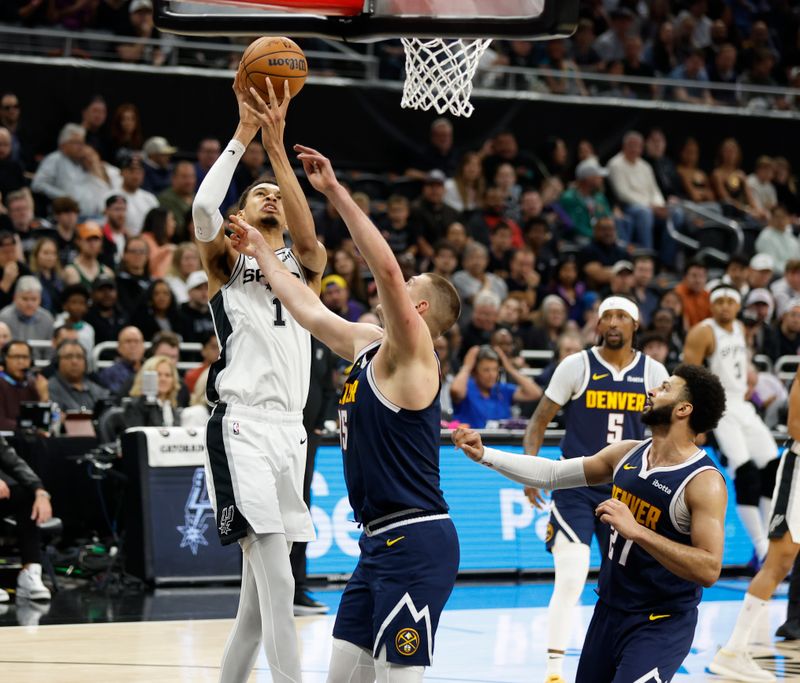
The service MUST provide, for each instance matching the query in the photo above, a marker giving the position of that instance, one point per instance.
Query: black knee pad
(768, 476)
(747, 483)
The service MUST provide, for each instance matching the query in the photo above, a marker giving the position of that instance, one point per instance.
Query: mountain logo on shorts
(225, 520)
(236, 429)
(407, 641)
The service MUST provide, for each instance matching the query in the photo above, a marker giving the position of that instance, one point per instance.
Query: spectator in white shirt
(635, 186)
(778, 240)
(73, 170)
(760, 183)
(139, 201)
(787, 288)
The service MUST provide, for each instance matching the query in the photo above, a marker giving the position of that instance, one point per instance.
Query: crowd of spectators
(96, 246)
(700, 44)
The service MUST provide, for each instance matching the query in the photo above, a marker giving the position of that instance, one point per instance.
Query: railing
(104, 355)
(786, 367)
(339, 60)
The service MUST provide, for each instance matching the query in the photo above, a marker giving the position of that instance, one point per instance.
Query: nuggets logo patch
(549, 534)
(407, 641)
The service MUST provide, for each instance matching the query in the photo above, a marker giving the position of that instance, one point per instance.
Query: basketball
(279, 59)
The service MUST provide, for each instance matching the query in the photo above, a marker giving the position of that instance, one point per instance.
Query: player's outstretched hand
(618, 515)
(247, 115)
(469, 441)
(271, 115)
(535, 497)
(245, 238)
(318, 169)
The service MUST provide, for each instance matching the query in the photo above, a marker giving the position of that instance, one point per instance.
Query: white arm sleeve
(205, 209)
(541, 473)
(567, 379)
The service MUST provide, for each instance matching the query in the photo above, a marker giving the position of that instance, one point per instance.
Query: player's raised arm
(215, 249)
(401, 321)
(542, 472)
(272, 119)
(342, 337)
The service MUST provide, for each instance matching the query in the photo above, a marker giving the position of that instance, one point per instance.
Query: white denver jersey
(730, 359)
(265, 355)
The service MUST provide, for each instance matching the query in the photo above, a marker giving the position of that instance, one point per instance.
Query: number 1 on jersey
(615, 424)
(279, 321)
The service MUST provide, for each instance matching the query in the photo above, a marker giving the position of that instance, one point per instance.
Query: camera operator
(19, 382)
(22, 493)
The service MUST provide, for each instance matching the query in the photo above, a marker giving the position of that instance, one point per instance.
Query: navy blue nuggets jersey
(632, 580)
(391, 455)
(607, 408)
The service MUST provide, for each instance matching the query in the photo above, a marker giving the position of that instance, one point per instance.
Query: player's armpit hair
(705, 393)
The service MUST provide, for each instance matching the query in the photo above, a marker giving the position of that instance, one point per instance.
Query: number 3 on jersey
(615, 424)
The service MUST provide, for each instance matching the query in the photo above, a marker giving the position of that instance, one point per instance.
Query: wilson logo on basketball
(290, 62)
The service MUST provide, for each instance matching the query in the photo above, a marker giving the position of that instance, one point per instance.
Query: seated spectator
(157, 311)
(760, 74)
(75, 302)
(456, 235)
(522, 275)
(611, 44)
(138, 200)
(105, 316)
(401, 234)
(760, 184)
(475, 278)
(115, 229)
(482, 322)
(477, 394)
(430, 215)
(144, 47)
(723, 70)
(336, 296)
(445, 259)
(569, 287)
(655, 346)
(439, 152)
(209, 354)
(23, 495)
(786, 186)
(18, 382)
(185, 261)
(126, 133)
(635, 185)
(5, 335)
(634, 65)
(46, 268)
(583, 52)
(160, 410)
(788, 287)
(158, 232)
(622, 281)
(178, 198)
(553, 319)
(760, 271)
(597, 258)
(133, 280)
(195, 316)
(11, 267)
(505, 148)
(585, 202)
(93, 120)
(735, 275)
(196, 413)
(777, 239)
(695, 182)
(500, 250)
(65, 212)
(70, 387)
(787, 339)
(86, 268)
(692, 69)
(27, 227)
(505, 180)
(60, 334)
(464, 191)
(662, 54)
(730, 182)
(25, 316)
(72, 171)
(130, 352)
(557, 60)
(568, 344)
(645, 291)
(492, 214)
(345, 263)
(12, 173)
(503, 340)
(668, 326)
(759, 308)
(158, 165)
(655, 154)
(693, 295)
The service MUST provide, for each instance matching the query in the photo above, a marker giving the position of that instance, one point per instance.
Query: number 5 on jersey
(616, 421)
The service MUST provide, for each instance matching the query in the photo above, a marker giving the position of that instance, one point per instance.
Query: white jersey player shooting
(255, 440)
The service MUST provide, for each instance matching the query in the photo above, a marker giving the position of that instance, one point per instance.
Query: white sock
(572, 567)
(350, 664)
(752, 610)
(388, 672)
(555, 664)
(755, 527)
(241, 649)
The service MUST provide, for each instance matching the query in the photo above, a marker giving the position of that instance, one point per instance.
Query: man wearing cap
(336, 296)
(621, 279)
(759, 308)
(105, 316)
(140, 201)
(195, 317)
(787, 341)
(430, 214)
(742, 436)
(140, 26)
(86, 267)
(584, 202)
(762, 267)
(179, 197)
(157, 164)
(602, 391)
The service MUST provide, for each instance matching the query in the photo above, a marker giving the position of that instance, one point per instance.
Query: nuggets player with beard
(666, 514)
(255, 440)
(389, 423)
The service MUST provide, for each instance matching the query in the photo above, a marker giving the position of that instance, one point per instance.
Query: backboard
(368, 20)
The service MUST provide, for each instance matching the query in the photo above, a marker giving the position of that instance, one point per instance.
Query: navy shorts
(400, 585)
(635, 647)
(572, 514)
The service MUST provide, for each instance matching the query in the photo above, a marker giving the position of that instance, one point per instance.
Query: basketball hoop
(439, 73)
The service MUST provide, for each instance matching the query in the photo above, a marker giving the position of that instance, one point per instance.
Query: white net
(439, 73)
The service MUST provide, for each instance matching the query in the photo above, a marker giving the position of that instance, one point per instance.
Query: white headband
(619, 303)
(728, 293)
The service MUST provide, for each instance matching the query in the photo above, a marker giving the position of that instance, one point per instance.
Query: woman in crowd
(465, 189)
(160, 410)
(126, 129)
(553, 317)
(157, 312)
(662, 55)
(569, 287)
(185, 261)
(346, 265)
(158, 231)
(695, 181)
(730, 182)
(44, 264)
(505, 178)
(196, 415)
(786, 186)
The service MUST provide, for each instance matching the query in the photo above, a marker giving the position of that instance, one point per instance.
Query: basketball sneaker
(790, 630)
(554, 678)
(29, 612)
(29, 584)
(738, 666)
(305, 605)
